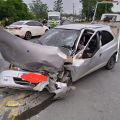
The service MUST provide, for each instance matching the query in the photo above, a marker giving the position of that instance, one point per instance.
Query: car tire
(28, 35)
(111, 63)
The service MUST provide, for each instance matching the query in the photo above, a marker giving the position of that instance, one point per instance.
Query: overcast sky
(68, 5)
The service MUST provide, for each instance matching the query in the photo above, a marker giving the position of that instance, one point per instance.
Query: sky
(68, 5)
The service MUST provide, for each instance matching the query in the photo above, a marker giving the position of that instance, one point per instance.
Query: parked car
(27, 29)
(61, 56)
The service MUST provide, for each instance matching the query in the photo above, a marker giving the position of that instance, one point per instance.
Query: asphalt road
(97, 97)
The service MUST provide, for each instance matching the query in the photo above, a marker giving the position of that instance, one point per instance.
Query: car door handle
(100, 54)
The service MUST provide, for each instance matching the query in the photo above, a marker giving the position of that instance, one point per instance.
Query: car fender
(45, 28)
(24, 30)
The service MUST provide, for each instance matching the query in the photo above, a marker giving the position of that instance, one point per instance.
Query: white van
(110, 17)
(53, 17)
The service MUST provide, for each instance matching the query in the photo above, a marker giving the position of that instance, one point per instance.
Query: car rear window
(38, 24)
(34, 24)
(30, 24)
(18, 23)
(106, 37)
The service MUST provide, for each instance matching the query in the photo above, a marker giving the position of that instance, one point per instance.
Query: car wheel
(111, 63)
(28, 35)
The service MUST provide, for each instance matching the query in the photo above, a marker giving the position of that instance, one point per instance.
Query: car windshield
(18, 23)
(54, 18)
(60, 38)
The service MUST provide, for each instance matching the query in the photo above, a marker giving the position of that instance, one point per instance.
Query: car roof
(85, 26)
(25, 21)
(111, 14)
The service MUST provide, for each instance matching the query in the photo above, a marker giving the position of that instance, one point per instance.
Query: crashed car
(61, 56)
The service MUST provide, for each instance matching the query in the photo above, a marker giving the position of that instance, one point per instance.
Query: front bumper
(12, 79)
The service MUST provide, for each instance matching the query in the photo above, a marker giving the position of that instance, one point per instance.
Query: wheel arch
(116, 55)
(26, 33)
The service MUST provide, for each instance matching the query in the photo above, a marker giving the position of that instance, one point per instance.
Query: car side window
(84, 39)
(30, 23)
(92, 47)
(106, 37)
(38, 24)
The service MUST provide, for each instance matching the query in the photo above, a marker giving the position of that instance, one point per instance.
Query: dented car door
(88, 60)
(96, 57)
(79, 67)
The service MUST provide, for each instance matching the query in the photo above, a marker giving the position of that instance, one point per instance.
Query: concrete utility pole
(73, 11)
(103, 2)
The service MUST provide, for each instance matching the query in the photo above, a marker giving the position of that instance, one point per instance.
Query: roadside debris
(21, 105)
(12, 104)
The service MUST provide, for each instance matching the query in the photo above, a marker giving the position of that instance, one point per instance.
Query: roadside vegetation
(15, 10)
(89, 8)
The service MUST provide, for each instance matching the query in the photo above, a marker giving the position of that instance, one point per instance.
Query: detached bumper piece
(61, 91)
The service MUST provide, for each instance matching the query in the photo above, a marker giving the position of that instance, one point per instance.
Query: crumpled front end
(32, 81)
(45, 64)
(28, 55)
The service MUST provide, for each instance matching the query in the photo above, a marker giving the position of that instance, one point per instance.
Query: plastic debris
(12, 103)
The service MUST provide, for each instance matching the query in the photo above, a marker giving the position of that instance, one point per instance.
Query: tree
(103, 8)
(39, 9)
(13, 10)
(58, 5)
(89, 8)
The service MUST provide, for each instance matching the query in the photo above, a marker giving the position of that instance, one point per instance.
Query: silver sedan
(61, 56)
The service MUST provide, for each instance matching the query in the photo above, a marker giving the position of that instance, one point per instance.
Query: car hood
(30, 56)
